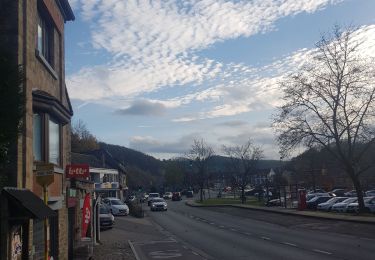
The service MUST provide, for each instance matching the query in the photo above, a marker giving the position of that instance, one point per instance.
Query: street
(228, 233)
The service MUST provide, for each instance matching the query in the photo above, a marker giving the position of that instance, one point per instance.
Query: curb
(364, 221)
(133, 250)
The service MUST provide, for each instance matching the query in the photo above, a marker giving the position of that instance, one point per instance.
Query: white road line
(265, 238)
(194, 253)
(222, 226)
(289, 244)
(233, 229)
(321, 251)
(211, 223)
(248, 234)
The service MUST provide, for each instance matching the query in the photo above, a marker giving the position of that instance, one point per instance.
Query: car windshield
(104, 210)
(332, 200)
(350, 200)
(154, 195)
(158, 200)
(117, 202)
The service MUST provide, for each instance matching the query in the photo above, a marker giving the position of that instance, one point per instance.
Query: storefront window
(54, 142)
(37, 137)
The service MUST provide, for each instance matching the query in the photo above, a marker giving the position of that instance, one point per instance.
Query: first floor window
(54, 142)
(37, 137)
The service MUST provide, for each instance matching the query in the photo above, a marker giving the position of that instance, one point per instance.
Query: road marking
(165, 254)
(194, 253)
(321, 251)
(233, 229)
(211, 223)
(265, 238)
(222, 226)
(289, 244)
(248, 234)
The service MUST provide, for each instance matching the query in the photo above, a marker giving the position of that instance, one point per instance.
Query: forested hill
(132, 157)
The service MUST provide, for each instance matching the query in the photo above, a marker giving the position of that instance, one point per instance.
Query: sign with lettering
(45, 173)
(77, 171)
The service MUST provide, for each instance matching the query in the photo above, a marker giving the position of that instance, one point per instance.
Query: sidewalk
(114, 242)
(310, 214)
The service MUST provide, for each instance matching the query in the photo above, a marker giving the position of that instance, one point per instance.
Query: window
(45, 40)
(37, 137)
(46, 139)
(54, 142)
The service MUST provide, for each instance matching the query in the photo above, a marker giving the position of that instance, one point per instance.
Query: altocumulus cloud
(143, 108)
(154, 44)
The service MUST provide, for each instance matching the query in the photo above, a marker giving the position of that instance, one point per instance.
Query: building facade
(33, 32)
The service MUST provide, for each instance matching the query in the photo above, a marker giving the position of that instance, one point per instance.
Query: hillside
(130, 157)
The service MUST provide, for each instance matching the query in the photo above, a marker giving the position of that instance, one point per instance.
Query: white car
(328, 204)
(167, 195)
(341, 206)
(116, 206)
(158, 204)
(369, 205)
(152, 196)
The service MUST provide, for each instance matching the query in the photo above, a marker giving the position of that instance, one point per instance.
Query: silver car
(159, 204)
(327, 206)
(341, 206)
(116, 206)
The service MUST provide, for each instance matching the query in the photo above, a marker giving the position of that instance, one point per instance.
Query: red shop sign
(78, 171)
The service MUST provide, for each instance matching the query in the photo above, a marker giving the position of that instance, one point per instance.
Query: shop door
(54, 236)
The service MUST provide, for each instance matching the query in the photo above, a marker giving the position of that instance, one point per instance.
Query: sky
(155, 75)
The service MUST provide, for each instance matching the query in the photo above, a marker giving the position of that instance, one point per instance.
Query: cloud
(148, 144)
(233, 123)
(154, 44)
(143, 108)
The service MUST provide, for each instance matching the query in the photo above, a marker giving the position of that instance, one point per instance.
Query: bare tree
(82, 140)
(243, 162)
(330, 104)
(199, 155)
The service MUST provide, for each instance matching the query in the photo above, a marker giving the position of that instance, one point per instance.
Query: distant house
(108, 175)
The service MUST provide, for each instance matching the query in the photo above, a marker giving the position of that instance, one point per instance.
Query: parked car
(176, 196)
(152, 196)
(275, 202)
(316, 194)
(116, 206)
(106, 218)
(338, 192)
(369, 205)
(167, 195)
(313, 203)
(189, 194)
(326, 206)
(341, 206)
(370, 193)
(352, 193)
(159, 204)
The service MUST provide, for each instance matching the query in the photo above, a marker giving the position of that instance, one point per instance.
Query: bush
(135, 209)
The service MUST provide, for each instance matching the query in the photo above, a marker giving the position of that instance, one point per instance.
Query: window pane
(37, 137)
(40, 37)
(54, 143)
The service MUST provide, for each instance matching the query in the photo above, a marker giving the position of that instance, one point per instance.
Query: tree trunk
(243, 195)
(358, 189)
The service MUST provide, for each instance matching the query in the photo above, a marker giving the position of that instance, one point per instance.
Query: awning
(23, 201)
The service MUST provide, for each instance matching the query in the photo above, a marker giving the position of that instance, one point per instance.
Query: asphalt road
(228, 233)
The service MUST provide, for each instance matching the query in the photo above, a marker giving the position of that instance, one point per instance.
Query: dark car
(189, 194)
(176, 196)
(313, 203)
